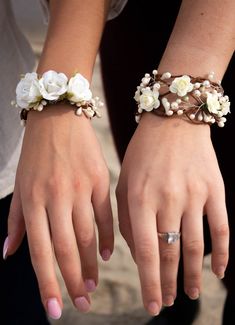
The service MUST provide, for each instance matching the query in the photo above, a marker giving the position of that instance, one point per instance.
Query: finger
(143, 223)
(219, 229)
(67, 254)
(169, 221)
(16, 225)
(42, 258)
(193, 248)
(104, 219)
(86, 240)
(124, 219)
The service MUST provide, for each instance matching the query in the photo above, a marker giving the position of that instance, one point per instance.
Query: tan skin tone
(57, 183)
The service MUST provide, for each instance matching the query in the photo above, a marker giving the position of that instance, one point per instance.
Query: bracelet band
(201, 100)
(35, 92)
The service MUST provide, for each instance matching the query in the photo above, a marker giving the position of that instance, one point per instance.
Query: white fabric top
(16, 57)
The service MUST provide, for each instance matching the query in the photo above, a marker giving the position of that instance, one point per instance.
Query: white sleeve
(116, 8)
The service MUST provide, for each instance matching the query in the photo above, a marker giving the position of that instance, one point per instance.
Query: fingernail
(5, 248)
(220, 272)
(153, 308)
(90, 285)
(193, 293)
(82, 304)
(168, 300)
(106, 254)
(53, 308)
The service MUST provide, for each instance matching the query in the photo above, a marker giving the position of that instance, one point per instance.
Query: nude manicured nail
(5, 248)
(106, 254)
(82, 304)
(193, 293)
(153, 308)
(220, 272)
(168, 300)
(53, 308)
(90, 285)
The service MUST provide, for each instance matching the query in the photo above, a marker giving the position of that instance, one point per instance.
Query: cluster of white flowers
(207, 104)
(34, 92)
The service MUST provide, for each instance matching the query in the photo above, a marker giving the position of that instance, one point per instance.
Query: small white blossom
(27, 91)
(213, 103)
(149, 100)
(225, 107)
(137, 95)
(181, 86)
(79, 89)
(53, 85)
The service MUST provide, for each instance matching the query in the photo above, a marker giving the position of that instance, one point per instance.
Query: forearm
(203, 38)
(73, 37)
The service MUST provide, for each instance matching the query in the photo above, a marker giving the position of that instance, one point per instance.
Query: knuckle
(169, 256)
(194, 248)
(85, 238)
(222, 231)
(63, 250)
(138, 196)
(145, 253)
(56, 186)
(100, 173)
(170, 192)
(195, 188)
(37, 253)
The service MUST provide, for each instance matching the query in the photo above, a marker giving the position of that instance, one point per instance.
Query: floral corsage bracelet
(35, 92)
(201, 100)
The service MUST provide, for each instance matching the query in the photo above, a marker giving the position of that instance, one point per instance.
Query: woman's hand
(169, 179)
(61, 178)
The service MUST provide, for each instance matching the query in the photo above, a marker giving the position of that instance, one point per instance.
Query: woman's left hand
(169, 179)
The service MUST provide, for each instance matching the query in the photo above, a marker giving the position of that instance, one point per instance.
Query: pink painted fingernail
(5, 248)
(153, 308)
(53, 308)
(106, 254)
(82, 304)
(90, 285)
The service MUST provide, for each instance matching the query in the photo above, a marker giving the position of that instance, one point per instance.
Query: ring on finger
(169, 237)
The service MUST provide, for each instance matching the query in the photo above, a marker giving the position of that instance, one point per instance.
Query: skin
(170, 175)
(57, 211)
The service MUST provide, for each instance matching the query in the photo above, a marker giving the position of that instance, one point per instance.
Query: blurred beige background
(117, 300)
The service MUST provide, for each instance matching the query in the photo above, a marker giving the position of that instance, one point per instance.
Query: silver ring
(169, 237)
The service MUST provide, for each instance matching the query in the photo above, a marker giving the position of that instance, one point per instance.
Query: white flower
(27, 91)
(213, 103)
(225, 107)
(149, 100)
(52, 85)
(79, 89)
(181, 86)
(137, 95)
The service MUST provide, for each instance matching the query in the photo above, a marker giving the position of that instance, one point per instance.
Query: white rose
(149, 100)
(52, 85)
(181, 86)
(213, 103)
(225, 107)
(27, 91)
(79, 89)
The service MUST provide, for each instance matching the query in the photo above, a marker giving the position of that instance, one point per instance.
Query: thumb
(16, 225)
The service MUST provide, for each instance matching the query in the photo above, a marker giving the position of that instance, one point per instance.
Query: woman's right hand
(61, 179)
